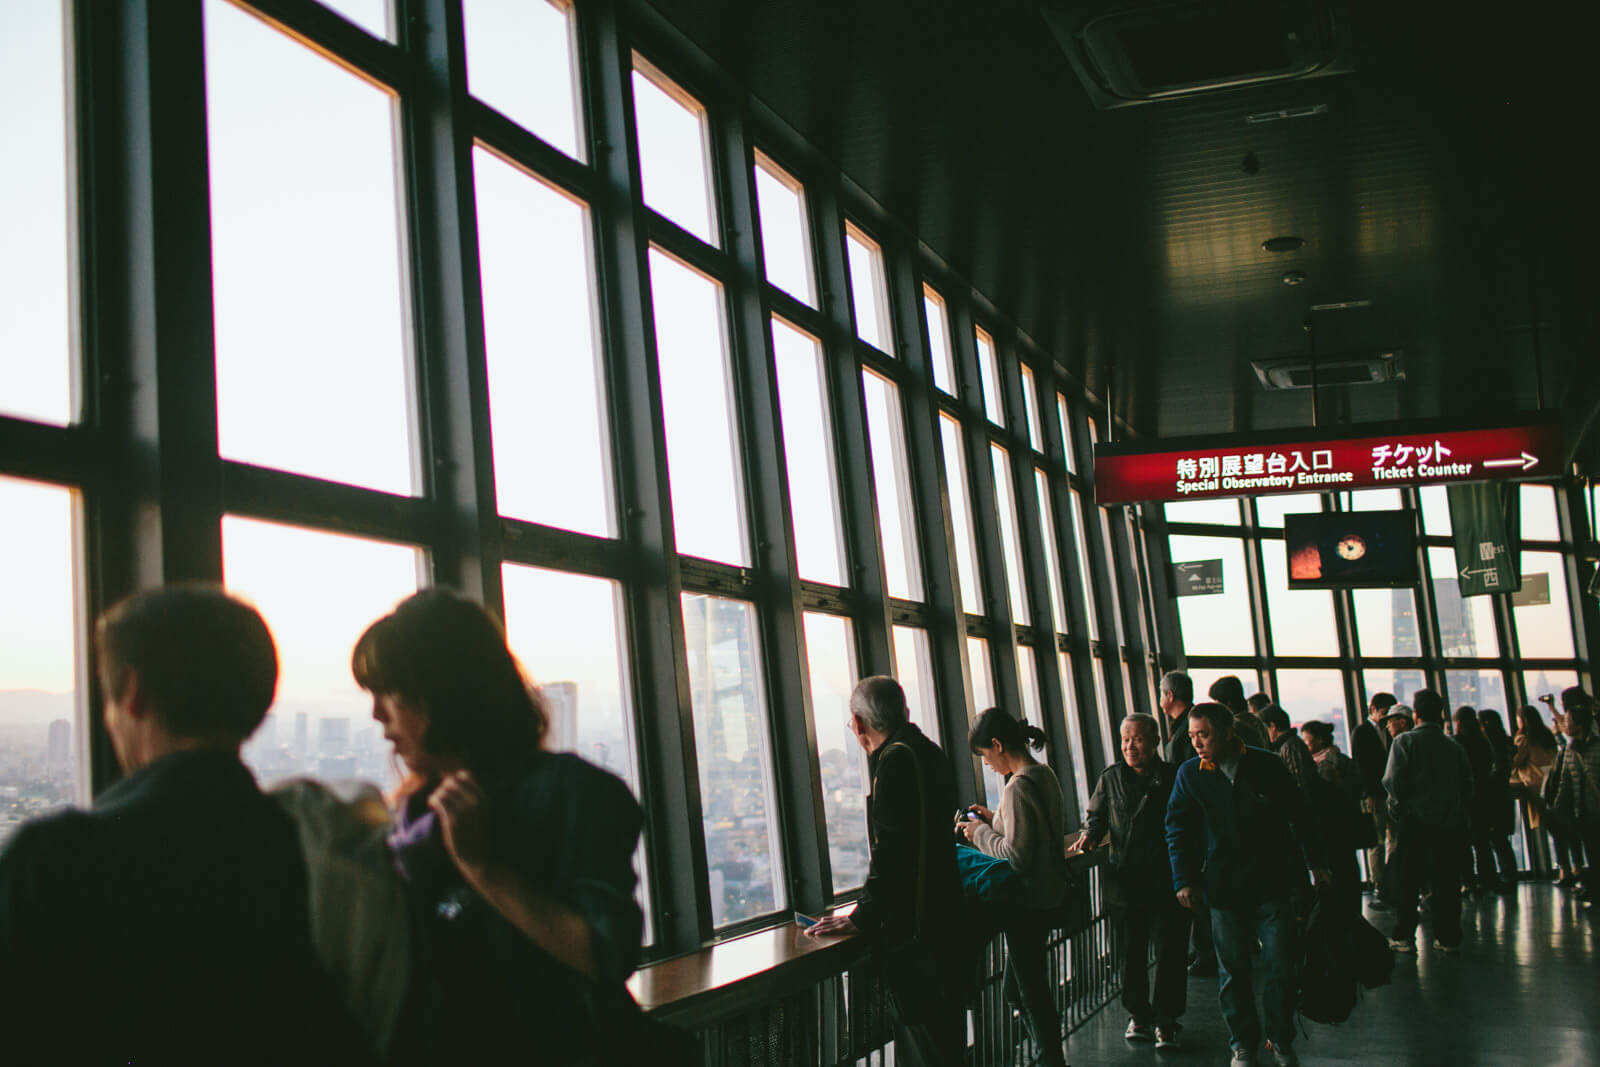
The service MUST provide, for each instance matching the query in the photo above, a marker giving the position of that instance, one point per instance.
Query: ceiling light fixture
(1283, 244)
(1286, 113)
(1342, 305)
(1294, 277)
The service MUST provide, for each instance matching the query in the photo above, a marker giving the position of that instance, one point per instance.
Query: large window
(313, 335)
(1302, 619)
(318, 592)
(541, 339)
(966, 541)
(1466, 624)
(1544, 618)
(891, 478)
(697, 401)
(809, 455)
(522, 61)
(869, 290)
(37, 379)
(41, 725)
(1308, 695)
(674, 152)
(785, 230)
(1214, 624)
(1010, 538)
(913, 665)
(737, 795)
(944, 368)
(831, 659)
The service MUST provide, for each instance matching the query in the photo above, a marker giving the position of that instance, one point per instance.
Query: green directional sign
(1481, 514)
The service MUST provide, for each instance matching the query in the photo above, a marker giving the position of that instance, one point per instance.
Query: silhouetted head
(1380, 704)
(1229, 690)
(1466, 720)
(1428, 705)
(447, 690)
(1275, 719)
(1317, 735)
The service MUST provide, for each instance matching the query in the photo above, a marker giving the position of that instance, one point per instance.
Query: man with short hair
(1429, 783)
(1339, 805)
(1239, 836)
(1176, 698)
(912, 868)
(170, 922)
(1258, 703)
(1292, 751)
(1229, 692)
(1128, 810)
(1369, 747)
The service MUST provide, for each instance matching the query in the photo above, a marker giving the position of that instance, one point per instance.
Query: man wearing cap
(1369, 747)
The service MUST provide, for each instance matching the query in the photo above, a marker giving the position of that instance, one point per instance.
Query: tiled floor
(1525, 989)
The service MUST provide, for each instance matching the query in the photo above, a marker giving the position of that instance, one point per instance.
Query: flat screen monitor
(1351, 549)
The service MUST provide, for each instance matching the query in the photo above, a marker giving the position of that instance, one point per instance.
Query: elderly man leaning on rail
(1128, 811)
(910, 905)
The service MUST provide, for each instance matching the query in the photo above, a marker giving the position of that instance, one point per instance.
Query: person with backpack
(520, 859)
(1127, 812)
(1028, 832)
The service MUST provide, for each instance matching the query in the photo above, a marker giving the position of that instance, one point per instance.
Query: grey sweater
(1028, 832)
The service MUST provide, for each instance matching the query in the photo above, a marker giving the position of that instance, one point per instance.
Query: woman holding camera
(1028, 832)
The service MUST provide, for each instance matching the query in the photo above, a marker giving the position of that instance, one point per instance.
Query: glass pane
(1435, 510)
(1102, 684)
(913, 666)
(37, 361)
(1204, 677)
(1475, 689)
(1544, 631)
(982, 700)
(1087, 585)
(1028, 683)
(1080, 766)
(1539, 513)
(785, 233)
(944, 368)
(370, 15)
(318, 592)
(1010, 540)
(1217, 624)
(567, 632)
(1466, 624)
(831, 658)
(1111, 573)
(308, 292)
(1536, 684)
(42, 739)
(869, 290)
(808, 454)
(891, 480)
(1403, 683)
(737, 794)
(1375, 500)
(522, 60)
(1387, 623)
(1316, 695)
(674, 152)
(989, 378)
(541, 339)
(1220, 512)
(1301, 619)
(1270, 510)
(966, 542)
(1063, 415)
(697, 406)
(1030, 392)
(1052, 556)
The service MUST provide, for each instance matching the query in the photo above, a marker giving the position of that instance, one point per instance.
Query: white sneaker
(1403, 946)
(1243, 1057)
(1450, 950)
(1137, 1031)
(1167, 1037)
(1285, 1057)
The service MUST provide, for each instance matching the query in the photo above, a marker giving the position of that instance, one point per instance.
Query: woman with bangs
(521, 859)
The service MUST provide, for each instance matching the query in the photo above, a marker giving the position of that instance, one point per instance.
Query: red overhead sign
(1224, 467)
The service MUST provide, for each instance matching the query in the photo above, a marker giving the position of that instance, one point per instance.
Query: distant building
(58, 751)
(561, 704)
(333, 736)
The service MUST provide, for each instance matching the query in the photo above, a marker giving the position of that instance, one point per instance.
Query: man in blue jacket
(1239, 837)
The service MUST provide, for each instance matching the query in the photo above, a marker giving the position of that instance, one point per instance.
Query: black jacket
(1178, 749)
(1132, 808)
(169, 924)
(1369, 746)
(888, 902)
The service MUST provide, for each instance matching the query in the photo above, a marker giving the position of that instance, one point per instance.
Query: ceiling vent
(1294, 372)
(1128, 52)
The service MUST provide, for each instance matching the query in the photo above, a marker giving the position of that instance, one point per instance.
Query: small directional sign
(1534, 592)
(1480, 515)
(1201, 577)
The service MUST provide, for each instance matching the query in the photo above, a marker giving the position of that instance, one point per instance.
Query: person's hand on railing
(1081, 843)
(832, 926)
(1189, 897)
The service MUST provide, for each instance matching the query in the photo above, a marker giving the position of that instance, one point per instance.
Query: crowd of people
(491, 904)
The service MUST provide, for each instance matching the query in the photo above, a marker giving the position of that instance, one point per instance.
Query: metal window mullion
(790, 709)
(1163, 605)
(155, 509)
(1255, 574)
(663, 706)
(1572, 517)
(452, 374)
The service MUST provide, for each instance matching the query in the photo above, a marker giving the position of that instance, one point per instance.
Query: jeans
(1168, 923)
(1028, 984)
(1379, 854)
(1235, 931)
(1430, 857)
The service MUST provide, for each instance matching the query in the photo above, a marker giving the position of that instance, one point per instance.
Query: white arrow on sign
(1525, 461)
(1465, 572)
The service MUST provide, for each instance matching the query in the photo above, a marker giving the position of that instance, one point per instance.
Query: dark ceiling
(1445, 183)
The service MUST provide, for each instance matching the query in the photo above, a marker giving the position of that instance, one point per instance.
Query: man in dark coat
(1177, 697)
(170, 922)
(1369, 747)
(908, 817)
(1128, 811)
(1240, 836)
